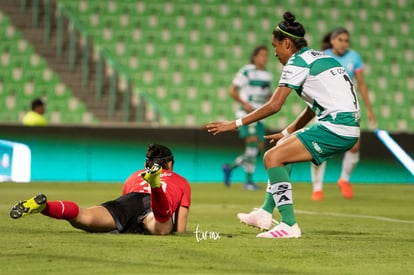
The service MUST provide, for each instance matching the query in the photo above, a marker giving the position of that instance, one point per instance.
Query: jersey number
(352, 89)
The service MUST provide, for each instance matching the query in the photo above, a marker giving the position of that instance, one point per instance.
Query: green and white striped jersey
(324, 86)
(254, 86)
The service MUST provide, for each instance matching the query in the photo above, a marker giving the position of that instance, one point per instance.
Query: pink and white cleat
(257, 218)
(282, 230)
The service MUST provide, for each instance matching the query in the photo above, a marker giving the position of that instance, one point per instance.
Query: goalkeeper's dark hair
(159, 154)
(291, 29)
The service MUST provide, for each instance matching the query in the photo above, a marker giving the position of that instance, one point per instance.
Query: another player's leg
(249, 165)
(350, 160)
(317, 174)
(262, 217)
(254, 145)
(281, 190)
(239, 161)
(280, 184)
(227, 169)
(247, 161)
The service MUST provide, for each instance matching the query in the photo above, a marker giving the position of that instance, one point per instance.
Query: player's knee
(270, 159)
(355, 148)
(164, 232)
(162, 229)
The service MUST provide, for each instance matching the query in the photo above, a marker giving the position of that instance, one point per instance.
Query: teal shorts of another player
(253, 129)
(322, 143)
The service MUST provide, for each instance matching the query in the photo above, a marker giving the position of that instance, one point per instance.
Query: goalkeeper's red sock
(159, 204)
(63, 210)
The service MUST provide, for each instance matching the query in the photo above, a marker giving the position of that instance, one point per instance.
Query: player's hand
(221, 126)
(372, 123)
(274, 138)
(278, 137)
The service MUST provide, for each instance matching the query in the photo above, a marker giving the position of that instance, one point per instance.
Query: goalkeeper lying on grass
(155, 201)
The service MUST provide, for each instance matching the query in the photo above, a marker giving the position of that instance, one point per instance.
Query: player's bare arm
(181, 221)
(271, 107)
(300, 122)
(234, 93)
(363, 90)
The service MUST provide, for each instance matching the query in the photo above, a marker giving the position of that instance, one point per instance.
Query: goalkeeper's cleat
(317, 195)
(346, 188)
(258, 218)
(282, 230)
(152, 175)
(30, 206)
(227, 174)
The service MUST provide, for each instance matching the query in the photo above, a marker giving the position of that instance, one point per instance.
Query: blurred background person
(336, 44)
(35, 117)
(251, 88)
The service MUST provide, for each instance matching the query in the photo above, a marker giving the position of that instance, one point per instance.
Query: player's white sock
(317, 173)
(348, 163)
(250, 158)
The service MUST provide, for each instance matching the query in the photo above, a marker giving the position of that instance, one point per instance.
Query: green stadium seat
(169, 46)
(25, 75)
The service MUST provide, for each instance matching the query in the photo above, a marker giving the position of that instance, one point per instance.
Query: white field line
(333, 214)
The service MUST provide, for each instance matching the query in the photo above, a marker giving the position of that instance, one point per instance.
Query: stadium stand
(182, 55)
(24, 75)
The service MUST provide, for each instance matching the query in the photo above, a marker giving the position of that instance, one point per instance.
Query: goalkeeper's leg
(93, 219)
(159, 202)
(33, 205)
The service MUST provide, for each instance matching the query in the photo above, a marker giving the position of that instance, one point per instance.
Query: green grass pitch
(370, 234)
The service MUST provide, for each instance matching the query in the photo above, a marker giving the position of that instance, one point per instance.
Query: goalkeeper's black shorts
(129, 212)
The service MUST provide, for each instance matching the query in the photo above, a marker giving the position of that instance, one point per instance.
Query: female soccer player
(325, 87)
(155, 201)
(336, 44)
(251, 88)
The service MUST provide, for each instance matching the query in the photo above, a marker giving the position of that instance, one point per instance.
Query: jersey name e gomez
(324, 86)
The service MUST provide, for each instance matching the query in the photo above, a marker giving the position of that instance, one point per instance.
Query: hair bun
(289, 17)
